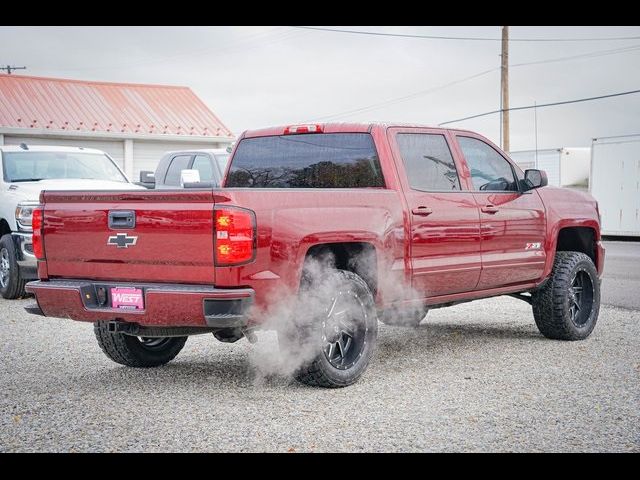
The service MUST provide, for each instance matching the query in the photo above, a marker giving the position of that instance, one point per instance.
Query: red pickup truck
(356, 222)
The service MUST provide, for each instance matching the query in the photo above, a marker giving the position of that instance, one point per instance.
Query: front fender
(552, 241)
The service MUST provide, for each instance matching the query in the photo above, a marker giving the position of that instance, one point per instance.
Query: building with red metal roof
(134, 123)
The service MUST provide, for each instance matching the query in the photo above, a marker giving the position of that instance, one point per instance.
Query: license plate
(127, 298)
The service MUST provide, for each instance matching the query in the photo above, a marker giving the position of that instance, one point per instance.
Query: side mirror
(189, 176)
(535, 178)
(147, 177)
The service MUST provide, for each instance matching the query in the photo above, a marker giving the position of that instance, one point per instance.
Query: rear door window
(428, 162)
(321, 160)
(178, 163)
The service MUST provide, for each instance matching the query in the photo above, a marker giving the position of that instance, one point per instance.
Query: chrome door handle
(422, 211)
(490, 209)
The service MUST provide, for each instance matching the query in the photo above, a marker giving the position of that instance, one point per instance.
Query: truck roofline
(212, 151)
(351, 127)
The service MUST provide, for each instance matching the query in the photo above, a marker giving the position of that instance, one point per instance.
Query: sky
(254, 76)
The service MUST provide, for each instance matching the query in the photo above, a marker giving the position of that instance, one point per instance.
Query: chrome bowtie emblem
(122, 240)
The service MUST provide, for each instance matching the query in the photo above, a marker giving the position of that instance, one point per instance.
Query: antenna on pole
(535, 123)
(504, 88)
(11, 68)
(501, 109)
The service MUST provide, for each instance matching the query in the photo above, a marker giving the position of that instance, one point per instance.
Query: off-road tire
(553, 302)
(319, 372)
(14, 287)
(131, 351)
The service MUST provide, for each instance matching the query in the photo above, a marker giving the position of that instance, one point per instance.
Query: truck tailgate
(171, 241)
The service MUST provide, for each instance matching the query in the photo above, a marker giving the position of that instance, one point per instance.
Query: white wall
(565, 167)
(615, 183)
(147, 154)
(574, 166)
(547, 160)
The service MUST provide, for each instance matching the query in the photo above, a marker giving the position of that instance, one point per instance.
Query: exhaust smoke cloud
(293, 322)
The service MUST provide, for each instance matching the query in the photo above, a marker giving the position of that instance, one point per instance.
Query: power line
(395, 100)
(258, 39)
(477, 39)
(620, 94)
(598, 53)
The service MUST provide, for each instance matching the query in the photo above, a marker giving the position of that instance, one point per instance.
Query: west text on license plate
(127, 298)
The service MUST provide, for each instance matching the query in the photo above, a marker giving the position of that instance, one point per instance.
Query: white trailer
(565, 167)
(615, 183)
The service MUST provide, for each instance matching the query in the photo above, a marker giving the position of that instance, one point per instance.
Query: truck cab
(200, 167)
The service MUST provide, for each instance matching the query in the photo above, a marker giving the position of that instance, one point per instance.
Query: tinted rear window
(326, 160)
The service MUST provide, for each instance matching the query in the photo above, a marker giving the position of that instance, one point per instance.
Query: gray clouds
(259, 76)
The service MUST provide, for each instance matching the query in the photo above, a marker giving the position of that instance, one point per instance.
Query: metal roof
(78, 106)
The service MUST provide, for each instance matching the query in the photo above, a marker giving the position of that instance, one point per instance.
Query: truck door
(512, 222)
(444, 219)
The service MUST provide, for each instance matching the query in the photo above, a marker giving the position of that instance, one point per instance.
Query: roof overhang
(39, 132)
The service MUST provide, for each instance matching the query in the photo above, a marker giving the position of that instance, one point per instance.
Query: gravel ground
(475, 377)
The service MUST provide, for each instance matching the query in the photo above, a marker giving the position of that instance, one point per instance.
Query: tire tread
(117, 347)
(549, 301)
(16, 287)
(313, 373)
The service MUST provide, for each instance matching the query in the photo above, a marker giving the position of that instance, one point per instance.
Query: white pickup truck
(26, 171)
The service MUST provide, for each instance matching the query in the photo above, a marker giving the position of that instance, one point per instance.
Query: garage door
(146, 155)
(115, 148)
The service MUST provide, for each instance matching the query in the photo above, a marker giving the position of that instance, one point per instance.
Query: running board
(522, 296)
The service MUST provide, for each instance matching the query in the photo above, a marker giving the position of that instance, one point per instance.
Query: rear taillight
(293, 129)
(36, 239)
(235, 236)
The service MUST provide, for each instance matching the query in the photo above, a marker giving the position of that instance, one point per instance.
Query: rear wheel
(567, 306)
(11, 283)
(339, 335)
(137, 351)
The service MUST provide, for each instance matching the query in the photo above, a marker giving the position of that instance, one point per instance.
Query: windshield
(34, 166)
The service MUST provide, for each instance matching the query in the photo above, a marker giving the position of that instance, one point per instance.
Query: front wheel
(11, 282)
(567, 306)
(141, 352)
(340, 331)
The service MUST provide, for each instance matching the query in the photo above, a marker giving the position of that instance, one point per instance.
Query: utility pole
(11, 68)
(504, 87)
